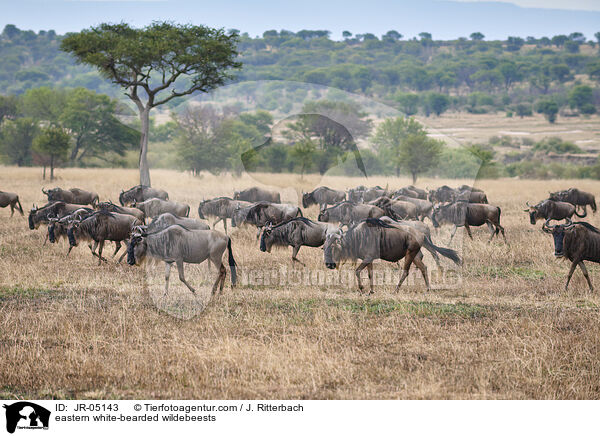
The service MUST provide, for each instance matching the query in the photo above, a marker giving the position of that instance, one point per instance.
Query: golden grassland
(72, 329)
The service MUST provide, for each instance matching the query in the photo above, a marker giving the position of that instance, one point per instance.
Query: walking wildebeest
(57, 227)
(141, 193)
(176, 244)
(374, 239)
(551, 210)
(396, 208)
(256, 194)
(221, 208)
(576, 241)
(57, 209)
(411, 191)
(111, 207)
(295, 233)
(355, 195)
(575, 197)
(323, 196)
(10, 199)
(371, 194)
(102, 226)
(467, 214)
(157, 206)
(165, 220)
(260, 214)
(73, 196)
(424, 207)
(471, 196)
(347, 213)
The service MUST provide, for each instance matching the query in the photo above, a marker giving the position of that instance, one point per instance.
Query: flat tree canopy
(156, 64)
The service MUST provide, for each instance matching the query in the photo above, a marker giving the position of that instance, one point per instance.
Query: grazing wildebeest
(396, 208)
(261, 213)
(165, 220)
(57, 209)
(10, 199)
(374, 239)
(424, 207)
(347, 213)
(295, 233)
(323, 196)
(256, 194)
(111, 207)
(471, 196)
(443, 194)
(221, 208)
(140, 193)
(551, 210)
(102, 226)
(73, 196)
(575, 197)
(157, 206)
(178, 245)
(57, 227)
(371, 194)
(467, 214)
(355, 195)
(576, 241)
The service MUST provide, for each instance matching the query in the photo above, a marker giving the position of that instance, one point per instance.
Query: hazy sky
(585, 5)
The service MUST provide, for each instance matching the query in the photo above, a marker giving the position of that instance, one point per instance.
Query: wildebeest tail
(446, 252)
(232, 264)
(299, 213)
(594, 205)
(584, 212)
(187, 212)
(21, 208)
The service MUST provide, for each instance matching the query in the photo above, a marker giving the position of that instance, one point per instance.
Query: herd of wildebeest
(362, 224)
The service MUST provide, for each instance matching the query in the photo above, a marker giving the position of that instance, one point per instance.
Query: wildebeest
(102, 226)
(261, 213)
(443, 194)
(411, 191)
(57, 209)
(396, 208)
(355, 195)
(374, 239)
(10, 199)
(471, 196)
(73, 196)
(178, 245)
(424, 207)
(165, 220)
(57, 227)
(576, 241)
(322, 196)
(446, 194)
(256, 194)
(347, 213)
(467, 214)
(295, 233)
(575, 197)
(371, 194)
(140, 193)
(111, 207)
(221, 208)
(551, 210)
(157, 206)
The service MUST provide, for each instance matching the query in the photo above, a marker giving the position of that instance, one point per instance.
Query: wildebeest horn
(44, 191)
(527, 203)
(547, 225)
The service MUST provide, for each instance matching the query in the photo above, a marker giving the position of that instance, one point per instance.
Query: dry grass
(72, 329)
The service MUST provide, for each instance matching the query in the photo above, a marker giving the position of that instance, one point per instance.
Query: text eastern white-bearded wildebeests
(72, 196)
(577, 242)
(551, 210)
(221, 208)
(260, 214)
(347, 213)
(424, 207)
(178, 245)
(374, 239)
(157, 206)
(141, 193)
(575, 197)
(165, 220)
(57, 209)
(256, 194)
(464, 214)
(102, 226)
(111, 207)
(10, 199)
(322, 196)
(295, 233)
(396, 208)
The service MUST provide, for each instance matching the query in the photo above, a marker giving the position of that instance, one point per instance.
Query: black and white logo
(26, 415)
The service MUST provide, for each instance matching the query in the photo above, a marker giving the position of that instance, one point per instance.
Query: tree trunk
(51, 168)
(144, 169)
(44, 173)
(414, 177)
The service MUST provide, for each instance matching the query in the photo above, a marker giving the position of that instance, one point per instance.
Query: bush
(556, 145)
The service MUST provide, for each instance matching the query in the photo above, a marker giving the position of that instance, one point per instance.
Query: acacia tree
(52, 143)
(156, 64)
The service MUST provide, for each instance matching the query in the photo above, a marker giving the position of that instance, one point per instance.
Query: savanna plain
(70, 328)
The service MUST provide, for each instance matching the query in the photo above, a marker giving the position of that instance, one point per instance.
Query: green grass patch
(19, 292)
(504, 272)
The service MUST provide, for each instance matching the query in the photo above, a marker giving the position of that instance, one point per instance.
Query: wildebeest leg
(492, 231)
(167, 275)
(419, 262)
(46, 238)
(586, 275)
(224, 225)
(216, 222)
(571, 271)
(498, 226)
(179, 264)
(125, 252)
(468, 229)
(370, 272)
(258, 233)
(453, 232)
(295, 251)
(100, 248)
(12, 210)
(407, 261)
(357, 272)
(117, 248)
(221, 278)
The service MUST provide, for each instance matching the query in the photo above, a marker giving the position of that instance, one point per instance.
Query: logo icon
(26, 415)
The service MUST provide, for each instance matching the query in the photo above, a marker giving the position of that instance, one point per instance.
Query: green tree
(419, 154)
(549, 108)
(436, 103)
(16, 138)
(477, 36)
(44, 104)
(52, 142)
(148, 63)
(303, 153)
(581, 97)
(523, 110)
(408, 102)
(9, 107)
(389, 139)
